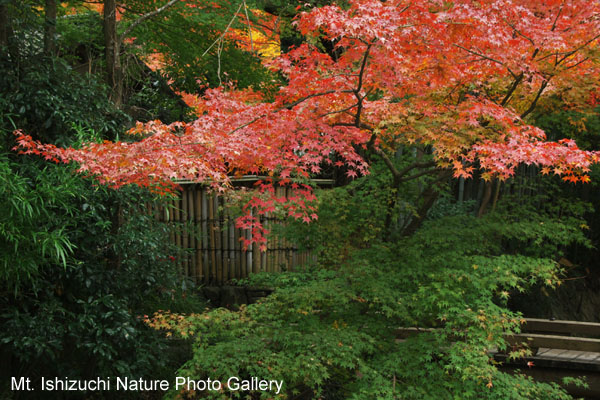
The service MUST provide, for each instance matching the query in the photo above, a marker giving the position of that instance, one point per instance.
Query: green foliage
(189, 40)
(31, 237)
(154, 99)
(83, 264)
(582, 126)
(330, 331)
(49, 101)
(80, 39)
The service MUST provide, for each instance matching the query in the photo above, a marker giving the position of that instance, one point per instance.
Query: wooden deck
(560, 349)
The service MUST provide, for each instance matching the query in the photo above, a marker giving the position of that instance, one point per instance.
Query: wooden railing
(543, 333)
(567, 335)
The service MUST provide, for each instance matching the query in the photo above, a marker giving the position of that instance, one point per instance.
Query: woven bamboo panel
(213, 252)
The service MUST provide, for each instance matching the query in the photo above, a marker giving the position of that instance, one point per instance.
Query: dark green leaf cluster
(332, 331)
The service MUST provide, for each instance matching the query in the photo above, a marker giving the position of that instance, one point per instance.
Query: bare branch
(337, 111)
(537, 97)
(412, 166)
(570, 53)
(249, 28)
(512, 89)
(145, 17)
(224, 32)
(360, 84)
(418, 175)
(486, 58)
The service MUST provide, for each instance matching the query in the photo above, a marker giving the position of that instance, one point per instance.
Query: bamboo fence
(212, 251)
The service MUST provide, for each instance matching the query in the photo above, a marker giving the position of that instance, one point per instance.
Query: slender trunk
(487, 195)
(50, 28)
(7, 39)
(391, 206)
(114, 74)
(4, 23)
(429, 195)
(496, 194)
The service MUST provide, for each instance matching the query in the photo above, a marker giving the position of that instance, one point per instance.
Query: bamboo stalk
(211, 231)
(243, 256)
(205, 237)
(231, 233)
(198, 232)
(225, 243)
(184, 233)
(218, 241)
(177, 223)
(237, 252)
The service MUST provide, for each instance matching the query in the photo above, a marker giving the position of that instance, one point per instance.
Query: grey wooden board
(570, 327)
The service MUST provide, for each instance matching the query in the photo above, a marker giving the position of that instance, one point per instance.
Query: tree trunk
(50, 28)
(429, 195)
(487, 195)
(114, 74)
(7, 39)
(4, 23)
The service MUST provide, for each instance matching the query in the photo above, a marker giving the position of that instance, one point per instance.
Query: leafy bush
(81, 266)
(50, 101)
(330, 331)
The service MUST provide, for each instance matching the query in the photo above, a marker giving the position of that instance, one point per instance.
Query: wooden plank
(405, 333)
(572, 327)
(535, 340)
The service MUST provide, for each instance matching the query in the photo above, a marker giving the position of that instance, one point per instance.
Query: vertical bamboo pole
(191, 231)
(177, 226)
(243, 256)
(205, 237)
(224, 240)
(237, 252)
(198, 232)
(183, 230)
(218, 244)
(231, 233)
(211, 229)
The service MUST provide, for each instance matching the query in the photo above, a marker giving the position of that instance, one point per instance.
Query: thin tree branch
(512, 89)
(418, 175)
(556, 19)
(570, 53)
(537, 97)
(359, 86)
(388, 162)
(224, 32)
(143, 18)
(337, 111)
(249, 28)
(519, 32)
(412, 166)
(289, 106)
(486, 58)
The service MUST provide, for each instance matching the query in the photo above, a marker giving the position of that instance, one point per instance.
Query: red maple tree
(459, 77)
